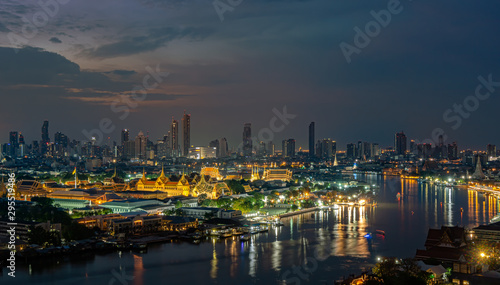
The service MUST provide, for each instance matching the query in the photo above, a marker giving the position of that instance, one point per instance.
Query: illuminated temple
(162, 183)
(277, 174)
(211, 187)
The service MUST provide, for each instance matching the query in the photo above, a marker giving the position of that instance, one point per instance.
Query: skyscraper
(174, 137)
(288, 148)
(13, 143)
(45, 137)
(140, 145)
(491, 151)
(270, 148)
(215, 144)
(351, 151)
(223, 152)
(400, 143)
(186, 129)
(125, 136)
(326, 149)
(247, 139)
(22, 145)
(311, 139)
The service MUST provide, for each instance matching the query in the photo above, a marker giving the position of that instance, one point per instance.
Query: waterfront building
(400, 143)
(488, 233)
(103, 222)
(200, 212)
(164, 184)
(22, 228)
(135, 225)
(448, 246)
(176, 223)
(130, 205)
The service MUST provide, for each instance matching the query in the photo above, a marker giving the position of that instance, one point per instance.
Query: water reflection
(337, 235)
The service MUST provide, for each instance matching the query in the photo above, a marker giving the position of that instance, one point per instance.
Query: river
(312, 248)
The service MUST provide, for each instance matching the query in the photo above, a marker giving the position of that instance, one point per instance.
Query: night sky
(264, 54)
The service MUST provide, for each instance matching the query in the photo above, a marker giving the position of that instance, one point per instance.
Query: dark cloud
(122, 72)
(150, 41)
(33, 66)
(55, 40)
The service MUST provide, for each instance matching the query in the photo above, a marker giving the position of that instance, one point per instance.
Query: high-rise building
(247, 139)
(360, 151)
(491, 151)
(326, 149)
(288, 148)
(174, 138)
(45, 132)
(270, 148)
(45, 137)
(223, 148)
(141, 142)
(129, 149)
(125, 136)
(22, 145)
(215, 144)
(13, 144)
(351, 151)
(61, 139)
(186, 130)
(400, 143)
(453, 151)
(262, 151)
(413, 147)
(311, 139)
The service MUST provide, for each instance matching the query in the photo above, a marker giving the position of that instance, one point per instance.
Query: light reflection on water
(338, 234)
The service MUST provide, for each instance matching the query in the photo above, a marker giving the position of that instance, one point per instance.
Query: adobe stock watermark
(222, 7)
(48, 10)
(120, 277)
(470, 104)
(459, 112)
(124, 103)
(277, 124)
(11, 232)
(372, 29)
(302, 272)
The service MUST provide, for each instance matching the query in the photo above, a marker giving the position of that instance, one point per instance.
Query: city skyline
(401, 143)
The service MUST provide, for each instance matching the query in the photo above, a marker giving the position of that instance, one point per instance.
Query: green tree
(235, 186)
(178, 204)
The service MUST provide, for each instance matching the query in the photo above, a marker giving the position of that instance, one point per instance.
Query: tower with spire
(478, 173)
